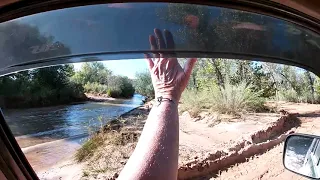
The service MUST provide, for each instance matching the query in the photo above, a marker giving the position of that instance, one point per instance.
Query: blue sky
(123, 67)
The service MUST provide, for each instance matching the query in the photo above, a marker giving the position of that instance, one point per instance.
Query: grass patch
(194, 102)
(236, 99)
(107, 151)
(291, 95)
(88, 148)
(113, 138)
(116, 133)
(232, 99)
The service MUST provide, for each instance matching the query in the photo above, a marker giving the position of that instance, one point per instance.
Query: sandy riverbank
(46, 152)
(208, 144)
(67, 167)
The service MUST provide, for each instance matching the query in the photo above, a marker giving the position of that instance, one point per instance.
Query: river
(43, 132)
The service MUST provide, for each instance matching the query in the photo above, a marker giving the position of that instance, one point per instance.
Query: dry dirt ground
(269, 165)
(207, 144)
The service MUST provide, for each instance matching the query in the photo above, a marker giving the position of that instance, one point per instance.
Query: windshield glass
(118, 31)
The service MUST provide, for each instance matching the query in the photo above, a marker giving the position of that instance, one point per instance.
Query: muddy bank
(49, 148)
(111, 146)
(99, 97)
(202, 150)
(254, 144)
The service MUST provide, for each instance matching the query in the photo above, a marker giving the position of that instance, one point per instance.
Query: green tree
(143, 84)
(92, 72)
(36, 87)
(96, 78)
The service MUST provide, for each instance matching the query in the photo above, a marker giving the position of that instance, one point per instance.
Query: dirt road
(269, 165)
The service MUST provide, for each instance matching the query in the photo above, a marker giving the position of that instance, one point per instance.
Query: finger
(161, 43)
(149, 61)
(153, 45)
(189, 66)
(172, 62)
(162, 69)
(162, 65)
(156, 64)
(169, 40)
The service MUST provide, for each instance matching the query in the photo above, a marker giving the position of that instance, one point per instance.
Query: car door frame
(13, 163)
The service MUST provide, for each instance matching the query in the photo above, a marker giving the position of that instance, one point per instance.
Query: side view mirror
(301, 155)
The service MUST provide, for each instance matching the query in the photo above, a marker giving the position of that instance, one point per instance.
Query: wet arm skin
(156, 154)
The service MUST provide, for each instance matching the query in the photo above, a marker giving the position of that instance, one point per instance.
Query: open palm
(168, 77)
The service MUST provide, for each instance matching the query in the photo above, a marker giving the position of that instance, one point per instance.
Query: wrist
(164, 96)
(166, 105)
(165, 100)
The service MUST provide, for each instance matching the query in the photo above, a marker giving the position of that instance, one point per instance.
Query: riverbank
(106, 98)
(51, 135)
(208, 144)
(100, 97)
(34, 126)
(65, 166)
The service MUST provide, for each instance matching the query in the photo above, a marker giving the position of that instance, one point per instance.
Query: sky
(122, 67)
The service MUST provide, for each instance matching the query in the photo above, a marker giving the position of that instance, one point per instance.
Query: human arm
(156, 154)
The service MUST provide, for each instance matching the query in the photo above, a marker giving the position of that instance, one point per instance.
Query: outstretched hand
(168, 77)
(158, 147)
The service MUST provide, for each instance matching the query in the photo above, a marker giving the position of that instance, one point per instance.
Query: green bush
(194, 101)
(126, 87)
(72, 92)
(115, 93)
(120, 86)
(235, 99)
(95, 88)
(291, 95)
(232, 99)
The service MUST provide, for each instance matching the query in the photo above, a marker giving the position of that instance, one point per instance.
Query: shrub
(194, 101)
(95, 88)
(120, 86)
(289, 95)
(126, 87)
(115, 93)
(235, 99)
(292, 96)
(232, 99)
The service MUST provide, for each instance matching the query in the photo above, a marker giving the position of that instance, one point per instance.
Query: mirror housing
(301, 155)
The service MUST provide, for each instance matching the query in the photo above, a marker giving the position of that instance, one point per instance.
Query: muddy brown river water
(50, 134)
(65, 121)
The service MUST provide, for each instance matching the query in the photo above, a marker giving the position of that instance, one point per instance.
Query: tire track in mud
(255, 144)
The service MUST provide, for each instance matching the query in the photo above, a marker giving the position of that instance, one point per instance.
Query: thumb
(189, 66)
